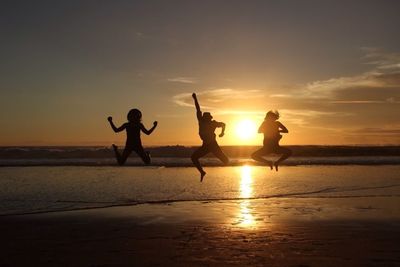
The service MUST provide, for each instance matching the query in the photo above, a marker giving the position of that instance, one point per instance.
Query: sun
(246, 129)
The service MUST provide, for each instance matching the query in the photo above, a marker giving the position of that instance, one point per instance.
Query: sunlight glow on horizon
(246, 130)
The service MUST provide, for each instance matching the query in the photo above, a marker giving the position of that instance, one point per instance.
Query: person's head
(134, 115)
(272, 115)
(207, 116)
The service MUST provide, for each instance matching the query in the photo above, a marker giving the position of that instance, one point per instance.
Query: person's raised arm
(222, 126)
(148, 132)
(196, 103)
(119, 129)
(282, 128)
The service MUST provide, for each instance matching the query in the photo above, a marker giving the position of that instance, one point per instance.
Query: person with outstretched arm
(133, 142)
(207, 127)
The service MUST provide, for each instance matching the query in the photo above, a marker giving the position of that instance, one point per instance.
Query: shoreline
(274, 232)
(290, 196)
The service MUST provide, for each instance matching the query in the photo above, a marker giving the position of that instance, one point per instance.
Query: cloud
(383, 78)
(333, 106)
(387, 134)
(303, 117)
(189, 80)
(375, 130)
(212, 99)
(381, 59)
(139, 35)
(227, 101)
(357, 102)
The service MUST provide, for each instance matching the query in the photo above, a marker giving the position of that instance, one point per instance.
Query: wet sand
(260, 232)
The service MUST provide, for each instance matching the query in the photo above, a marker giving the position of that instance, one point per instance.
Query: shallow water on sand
(41, 189)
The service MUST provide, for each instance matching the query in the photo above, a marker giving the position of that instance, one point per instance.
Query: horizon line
(178, 145)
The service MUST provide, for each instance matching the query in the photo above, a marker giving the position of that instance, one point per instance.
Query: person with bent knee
(272, 129)
(133, 142)
(207, 127)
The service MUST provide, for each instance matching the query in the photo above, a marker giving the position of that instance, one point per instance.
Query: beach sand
(361, 231)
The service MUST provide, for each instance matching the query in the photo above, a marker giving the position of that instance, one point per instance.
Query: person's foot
(149, 158)
(271, 165)
(276, 166)
(117, 155)
(114, 147)
(202, 174)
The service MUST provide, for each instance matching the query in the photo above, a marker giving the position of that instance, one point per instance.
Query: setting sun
(246, 129)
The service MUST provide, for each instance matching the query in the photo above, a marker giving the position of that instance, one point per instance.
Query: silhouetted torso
(270, 129)
(133, 134)
(207, 129)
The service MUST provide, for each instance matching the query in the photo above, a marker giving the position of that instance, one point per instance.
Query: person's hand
(194, 95)
(155, 123)
(109, 119)
(221, 134)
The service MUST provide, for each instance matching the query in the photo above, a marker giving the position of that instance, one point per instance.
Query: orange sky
(333, 73)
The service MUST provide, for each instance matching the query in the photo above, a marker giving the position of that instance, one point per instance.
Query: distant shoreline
(101, 152)
(207, 161)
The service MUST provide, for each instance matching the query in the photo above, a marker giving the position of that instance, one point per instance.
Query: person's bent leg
(258, 156)
(144, 155)
(220, 155)
(117, 154)
(286, 153)
(200, 152)
(125, 154)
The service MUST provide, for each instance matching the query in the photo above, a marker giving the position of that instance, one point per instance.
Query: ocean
(46, 179)
(179, 156)
(35, 189)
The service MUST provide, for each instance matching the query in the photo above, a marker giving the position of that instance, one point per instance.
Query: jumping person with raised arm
(272, 129)
(207, 128)
(133, 142)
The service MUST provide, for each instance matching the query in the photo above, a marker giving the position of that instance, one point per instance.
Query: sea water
(57, 188)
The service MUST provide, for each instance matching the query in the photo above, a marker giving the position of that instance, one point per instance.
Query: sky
(331, 68)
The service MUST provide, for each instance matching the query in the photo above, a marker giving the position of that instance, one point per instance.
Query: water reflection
(245, 217)
(246, 182)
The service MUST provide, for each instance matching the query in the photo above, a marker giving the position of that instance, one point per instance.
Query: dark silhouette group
(271, 128)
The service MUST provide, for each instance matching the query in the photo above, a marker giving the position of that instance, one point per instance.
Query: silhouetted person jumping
(133, 141)
(272, 129)
(207, 128)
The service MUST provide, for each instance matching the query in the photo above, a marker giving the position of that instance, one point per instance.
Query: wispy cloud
(189, 80)
(386, 134)
(381, 59)
(212, 99)
(303, 117)
(219, 101)
(376, 130)
(329, 106)
(357, 102)
(383, 78)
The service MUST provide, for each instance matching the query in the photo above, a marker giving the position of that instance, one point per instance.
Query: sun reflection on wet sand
(245, 217)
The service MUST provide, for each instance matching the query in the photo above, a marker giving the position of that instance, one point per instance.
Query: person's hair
(272, 114)
(134, 115)
(207, 114)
